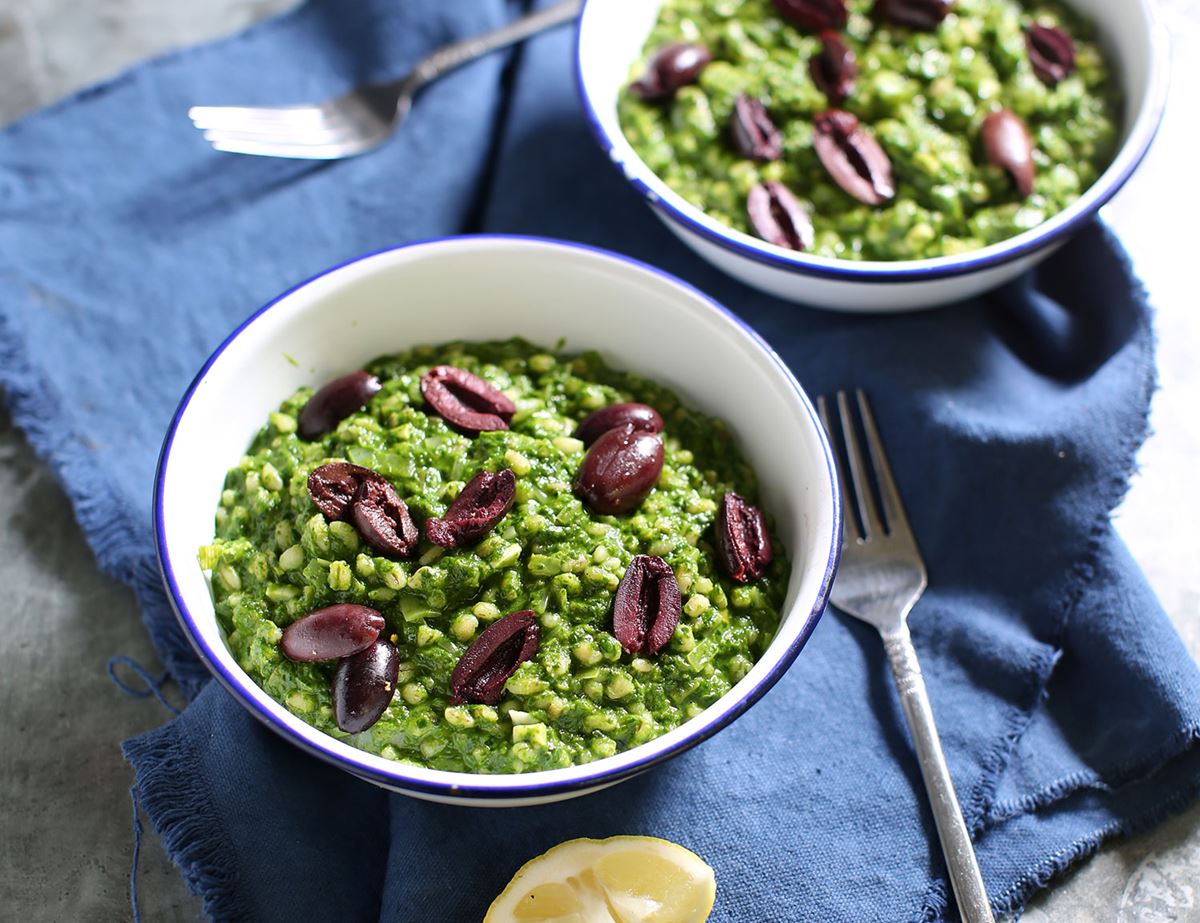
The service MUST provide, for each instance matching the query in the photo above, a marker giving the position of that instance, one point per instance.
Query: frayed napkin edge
(180, 807)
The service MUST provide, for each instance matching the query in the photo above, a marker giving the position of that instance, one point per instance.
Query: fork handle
(455, 55)
(965, 877)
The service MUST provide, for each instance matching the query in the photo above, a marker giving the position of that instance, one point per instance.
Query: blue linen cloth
(1068, 706)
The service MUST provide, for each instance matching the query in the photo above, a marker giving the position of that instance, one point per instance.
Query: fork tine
(871, 523)
(849, 524)
(282, 128)
(318, 134)
(262, 148)
(257, 116)
(893, 507)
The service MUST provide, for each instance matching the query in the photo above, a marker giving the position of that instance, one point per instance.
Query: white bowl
(475, 288)
(610, 39)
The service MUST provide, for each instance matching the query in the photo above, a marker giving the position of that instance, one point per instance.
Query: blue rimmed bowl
(475, 288)
(610, 38)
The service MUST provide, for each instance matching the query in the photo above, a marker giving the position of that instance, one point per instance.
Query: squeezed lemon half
(623, 879)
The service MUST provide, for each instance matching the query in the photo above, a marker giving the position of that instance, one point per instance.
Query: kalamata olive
(333, 632)
(1051, 52)
(743, 542)
(483, 502)
(620, 468)
(916, 14)
(754, 134)
(778, 217)
(640, 416)
(336, 401)
(465, 401)
(834, 69)
(647, 605)
(383, 520)
(673, 66)
(815, 15)
(493, 657)
(363, 686)
(853, 158)
(1008, 146)
(334, 486)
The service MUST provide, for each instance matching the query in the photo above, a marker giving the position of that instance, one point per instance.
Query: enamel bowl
(495, 288)
(610, 39)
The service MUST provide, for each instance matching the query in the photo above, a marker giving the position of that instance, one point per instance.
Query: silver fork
(363, 118)
(880, 579)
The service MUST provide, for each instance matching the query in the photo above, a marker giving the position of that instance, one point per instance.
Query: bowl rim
(1143, 124)
(514, 786)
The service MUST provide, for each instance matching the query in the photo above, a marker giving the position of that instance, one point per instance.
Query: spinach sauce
(276, 558)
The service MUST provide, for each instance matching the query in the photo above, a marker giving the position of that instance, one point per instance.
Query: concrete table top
(65, 840)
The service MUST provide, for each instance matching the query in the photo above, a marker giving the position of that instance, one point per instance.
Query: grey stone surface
(65, 833)
(65, 841)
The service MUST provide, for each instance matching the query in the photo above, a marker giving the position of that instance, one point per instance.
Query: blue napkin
(1068, 706)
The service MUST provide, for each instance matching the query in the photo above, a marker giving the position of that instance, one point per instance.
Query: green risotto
(276, 558)
(922, 94)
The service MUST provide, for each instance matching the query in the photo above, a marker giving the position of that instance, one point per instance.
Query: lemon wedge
(623, 879)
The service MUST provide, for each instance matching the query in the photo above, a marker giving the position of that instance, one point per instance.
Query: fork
(880, 579)
(363, 118)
